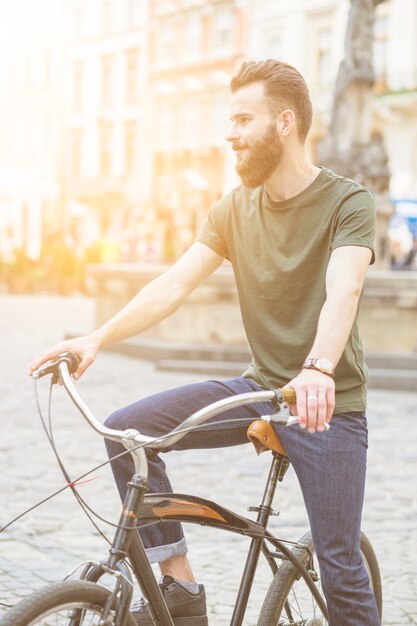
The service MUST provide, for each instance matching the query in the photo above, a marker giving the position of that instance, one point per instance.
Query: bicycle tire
(274, 611)
(49, 606)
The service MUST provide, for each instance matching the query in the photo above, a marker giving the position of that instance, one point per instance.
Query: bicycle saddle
(263, 436)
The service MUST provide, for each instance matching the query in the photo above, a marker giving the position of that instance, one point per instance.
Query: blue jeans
(330, 467)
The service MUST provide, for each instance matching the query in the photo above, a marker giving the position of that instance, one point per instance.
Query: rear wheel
(67, 603)
(289, 600)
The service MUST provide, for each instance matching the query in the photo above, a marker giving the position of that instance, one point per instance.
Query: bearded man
(300, 239)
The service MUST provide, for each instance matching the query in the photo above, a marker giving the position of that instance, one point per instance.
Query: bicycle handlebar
(70, 358)
(67, 363)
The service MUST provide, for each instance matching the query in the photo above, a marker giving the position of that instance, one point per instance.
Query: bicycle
(294, 596)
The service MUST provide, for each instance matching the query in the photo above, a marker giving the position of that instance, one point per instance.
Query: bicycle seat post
(264, 510)
(279, 466)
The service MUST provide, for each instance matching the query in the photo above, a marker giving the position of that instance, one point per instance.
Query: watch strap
(313, 363)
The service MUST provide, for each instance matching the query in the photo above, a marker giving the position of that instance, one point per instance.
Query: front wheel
(289, 600)
(67, 603)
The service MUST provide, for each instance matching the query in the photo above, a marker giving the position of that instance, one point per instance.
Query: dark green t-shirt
(280, 252)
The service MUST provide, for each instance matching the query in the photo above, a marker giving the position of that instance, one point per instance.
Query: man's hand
(84, 347)
(315, 399)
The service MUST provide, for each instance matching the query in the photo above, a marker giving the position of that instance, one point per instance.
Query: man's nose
(232, 134)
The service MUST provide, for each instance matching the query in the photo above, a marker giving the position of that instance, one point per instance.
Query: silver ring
(312, 398)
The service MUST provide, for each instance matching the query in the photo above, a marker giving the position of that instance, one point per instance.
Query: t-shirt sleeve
(356, 222)
(213, 233)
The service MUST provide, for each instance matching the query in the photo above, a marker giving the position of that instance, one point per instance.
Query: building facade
(395, 102)
(114, 112)
(31, 124)
(311, 36)
(194, 48)
(107, 157)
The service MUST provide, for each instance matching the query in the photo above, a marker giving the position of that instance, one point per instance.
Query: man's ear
(286, 121)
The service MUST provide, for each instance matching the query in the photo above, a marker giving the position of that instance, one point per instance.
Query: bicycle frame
(140, 509)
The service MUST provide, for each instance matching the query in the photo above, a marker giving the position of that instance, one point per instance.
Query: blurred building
(395, 104)
(31, 124)
(114, 112)
(107, 156)
(194, 48)
(311, 36)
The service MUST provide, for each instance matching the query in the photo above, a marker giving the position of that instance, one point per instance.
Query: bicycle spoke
(301, 610)
(70, 616)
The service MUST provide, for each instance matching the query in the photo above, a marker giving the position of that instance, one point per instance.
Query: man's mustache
(239, 146)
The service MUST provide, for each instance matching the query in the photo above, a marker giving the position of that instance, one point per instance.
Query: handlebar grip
(289, 395)
(72, 360)
(52, 367)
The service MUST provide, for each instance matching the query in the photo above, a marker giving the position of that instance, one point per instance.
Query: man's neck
(290, 178)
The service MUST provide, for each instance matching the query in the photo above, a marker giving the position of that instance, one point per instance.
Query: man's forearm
(156, 301)
(334, 326)
(344, 281)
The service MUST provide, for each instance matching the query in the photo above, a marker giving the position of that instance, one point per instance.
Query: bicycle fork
(127, 543)
(278, 468)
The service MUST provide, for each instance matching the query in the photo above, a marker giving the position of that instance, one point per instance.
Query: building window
(76, 151)
(381, 52)
(37, 69)
(132, 68)
(106, 79)
(28, 72)
(320, 52)
(19, 76)
(105, 133)
(78, 75)
(107, 16)
(193, 37)
(78, 21)
(47, 68)
(130, 145)
(165, 43)
(274, 45)
(324, 55)
(134, 13)
(223, 31)
(220, 108)
(193, 130)
(166, 127)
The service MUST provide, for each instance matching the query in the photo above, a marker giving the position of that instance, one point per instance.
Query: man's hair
(284, 88)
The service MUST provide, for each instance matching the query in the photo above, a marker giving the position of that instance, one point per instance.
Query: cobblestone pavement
(52, 539)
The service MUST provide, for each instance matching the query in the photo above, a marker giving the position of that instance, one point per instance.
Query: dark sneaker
(186, 608)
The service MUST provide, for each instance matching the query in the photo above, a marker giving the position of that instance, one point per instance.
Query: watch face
(325, 365)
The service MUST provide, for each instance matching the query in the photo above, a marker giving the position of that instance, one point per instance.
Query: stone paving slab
(48, 542)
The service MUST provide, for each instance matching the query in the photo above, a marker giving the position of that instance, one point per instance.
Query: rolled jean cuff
(163, 553)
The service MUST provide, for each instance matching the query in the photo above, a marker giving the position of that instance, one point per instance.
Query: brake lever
(276, 418)
(70, 358)
(44, 370)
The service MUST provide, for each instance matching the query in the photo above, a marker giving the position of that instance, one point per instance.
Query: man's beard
(257, 165)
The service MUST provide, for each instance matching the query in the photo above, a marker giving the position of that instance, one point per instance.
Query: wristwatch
(322, 365)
